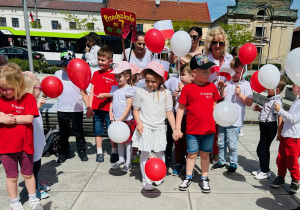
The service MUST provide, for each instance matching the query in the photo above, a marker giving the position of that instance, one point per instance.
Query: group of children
(114, 97)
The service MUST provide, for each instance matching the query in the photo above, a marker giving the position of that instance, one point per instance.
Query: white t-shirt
(232, 97)
(291, 125)
(39, 140)
(141, 63)
(226, 64)
(119, 100)
(92, 58)
(172, 84)
(268, 110)
(70, 100)
(153, 106)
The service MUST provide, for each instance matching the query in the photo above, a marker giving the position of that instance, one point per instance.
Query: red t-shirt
(199, 101)
(102, 81)
(17, 138)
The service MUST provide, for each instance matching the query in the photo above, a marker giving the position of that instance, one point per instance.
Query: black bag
(52, 140)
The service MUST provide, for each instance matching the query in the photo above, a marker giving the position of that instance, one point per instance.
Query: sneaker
(178, 169)
(294, 186)
(184, 186)
(241, 133)
(147, 186)
(278, 182)
(114, 157)
(127, 167)
(83, 156)
(231, 169)
(116, 165)
(254, 173)
(43, 187)
(136, 160)
(35, 204)
(100, 157)
(157, 183)
(62, 158)
(262, 175)
(168, 161)
(16, 206)
(41, 194)
(217, 166)
(204, 184)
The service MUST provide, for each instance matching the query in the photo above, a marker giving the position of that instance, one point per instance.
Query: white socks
(121, 152)
(99, 150)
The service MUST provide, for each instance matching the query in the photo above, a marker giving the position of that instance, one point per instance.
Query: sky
(218, 8)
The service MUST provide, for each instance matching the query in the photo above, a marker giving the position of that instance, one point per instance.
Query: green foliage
(81, 24)
(38, 65)
(52, 69)
(237, 34)
(254, 66)
(34, 25)
(182, 25)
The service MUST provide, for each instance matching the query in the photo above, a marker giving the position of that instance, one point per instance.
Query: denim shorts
(203, 143)
(98, 126)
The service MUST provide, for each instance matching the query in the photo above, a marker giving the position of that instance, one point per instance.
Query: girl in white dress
(152, 104)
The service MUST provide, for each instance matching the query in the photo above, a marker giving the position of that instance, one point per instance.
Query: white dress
(153, 106)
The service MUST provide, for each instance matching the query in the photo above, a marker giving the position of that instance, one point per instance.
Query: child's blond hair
(12, 74)
(30, 83)
(186, 68)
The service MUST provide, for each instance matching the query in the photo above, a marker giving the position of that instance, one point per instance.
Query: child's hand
(8, 119)
(101, 96)
(256, 108)
(177, 134)
(111, 116)
(278, 138)
(41, 102)
(221, 84)
(180, 86)
(175, 93)
(277, 107)
(139, 128)
(238, 90)
(89, 112)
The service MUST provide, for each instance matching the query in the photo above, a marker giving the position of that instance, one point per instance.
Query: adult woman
(92, 46)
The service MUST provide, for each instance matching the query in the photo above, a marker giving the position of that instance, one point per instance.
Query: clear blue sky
(218, 8)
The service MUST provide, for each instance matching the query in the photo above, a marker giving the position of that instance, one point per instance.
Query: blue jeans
(228, 137)
(203, 143)
(100, 117)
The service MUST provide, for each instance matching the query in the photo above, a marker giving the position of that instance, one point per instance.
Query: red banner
(114, 20)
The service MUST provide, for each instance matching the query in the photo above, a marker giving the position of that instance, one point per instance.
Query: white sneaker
(117, 165)
(35, 204)
(147, 186)
(254, 173)
(157, 183)
(241, 133)
(262, 175)
(16, 206)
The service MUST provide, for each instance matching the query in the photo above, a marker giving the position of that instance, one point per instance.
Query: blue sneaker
(100, 157)
(41, 194)
(178, 169)
(43, 187)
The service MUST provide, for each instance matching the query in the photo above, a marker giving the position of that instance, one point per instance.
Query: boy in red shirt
(199, 99)
(98, 106)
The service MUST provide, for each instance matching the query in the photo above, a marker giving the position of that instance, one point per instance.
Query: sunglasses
(141, 44)
(38, 87)
(220, 43)
(194, 36)
(6, 90)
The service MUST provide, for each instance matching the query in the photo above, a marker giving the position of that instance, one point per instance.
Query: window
(72, 25)
(259, 30)
(261, 13)
(139, 27)
(2, 21)
(91, 26)
(14, 51)
(54, 24)
(15, 22)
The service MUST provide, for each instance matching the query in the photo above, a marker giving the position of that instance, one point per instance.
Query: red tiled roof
(167, 10)
(297, 29)
(56, 5)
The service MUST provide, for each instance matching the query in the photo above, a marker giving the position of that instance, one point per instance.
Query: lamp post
(262, 36)
(36, 15)
(28, 35)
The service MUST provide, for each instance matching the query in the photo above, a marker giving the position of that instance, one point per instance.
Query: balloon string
(239, 80)
(90, 93)
(274, 108)
(178, 66)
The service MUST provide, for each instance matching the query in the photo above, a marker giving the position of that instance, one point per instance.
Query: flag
(166, 64)
(214, 69)
(226, 72)
(165, 27)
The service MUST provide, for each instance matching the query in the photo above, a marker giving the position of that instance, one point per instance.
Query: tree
(33, 25)
(81, 24)
(237, 34)
(182, 25)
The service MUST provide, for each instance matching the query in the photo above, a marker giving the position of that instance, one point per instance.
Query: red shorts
(10, 163)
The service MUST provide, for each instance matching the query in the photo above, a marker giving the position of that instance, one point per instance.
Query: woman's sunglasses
(220, 43)
(194, 36)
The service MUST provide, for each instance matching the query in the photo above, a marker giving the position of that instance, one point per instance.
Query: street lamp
(262, 36)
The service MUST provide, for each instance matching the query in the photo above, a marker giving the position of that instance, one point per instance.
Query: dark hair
(197, 29)
(106, 51)
(94, 38)
(134, 78)
(3, 60)
(140, 33)
(235, 51)
(281, 84)
(235, 63)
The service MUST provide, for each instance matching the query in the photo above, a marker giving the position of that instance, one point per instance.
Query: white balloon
(225, 113)
(181, 43)
(292, 66)
(118, 131)
(269, 76)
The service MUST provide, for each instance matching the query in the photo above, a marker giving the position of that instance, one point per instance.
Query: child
(151, 106)
(268, 129)
(33, 86)
(121, 110)
(17, 111)
(102, 81)
(289, 147)
(199, 99)
(180, 145)
(70, 108)
(239, 92)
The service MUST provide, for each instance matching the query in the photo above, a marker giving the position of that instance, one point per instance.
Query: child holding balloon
(17, 111)
(152, 104)
(121, 110)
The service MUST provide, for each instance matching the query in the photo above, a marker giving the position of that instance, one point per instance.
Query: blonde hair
(211, 35)
(30, 83)
(186, 68)
(12, 74)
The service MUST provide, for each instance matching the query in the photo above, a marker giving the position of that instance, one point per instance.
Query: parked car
(19, 52)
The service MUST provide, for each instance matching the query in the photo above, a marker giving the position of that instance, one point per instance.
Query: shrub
(52, 69)
(254, 66)
(38, 65)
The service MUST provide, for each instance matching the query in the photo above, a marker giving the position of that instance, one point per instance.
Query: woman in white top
(92, 46)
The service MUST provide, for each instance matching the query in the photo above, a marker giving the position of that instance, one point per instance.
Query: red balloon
(52, 87)
(155, 40)
(155, 169)
(255, 85)
(79, 73)
(247, 53)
